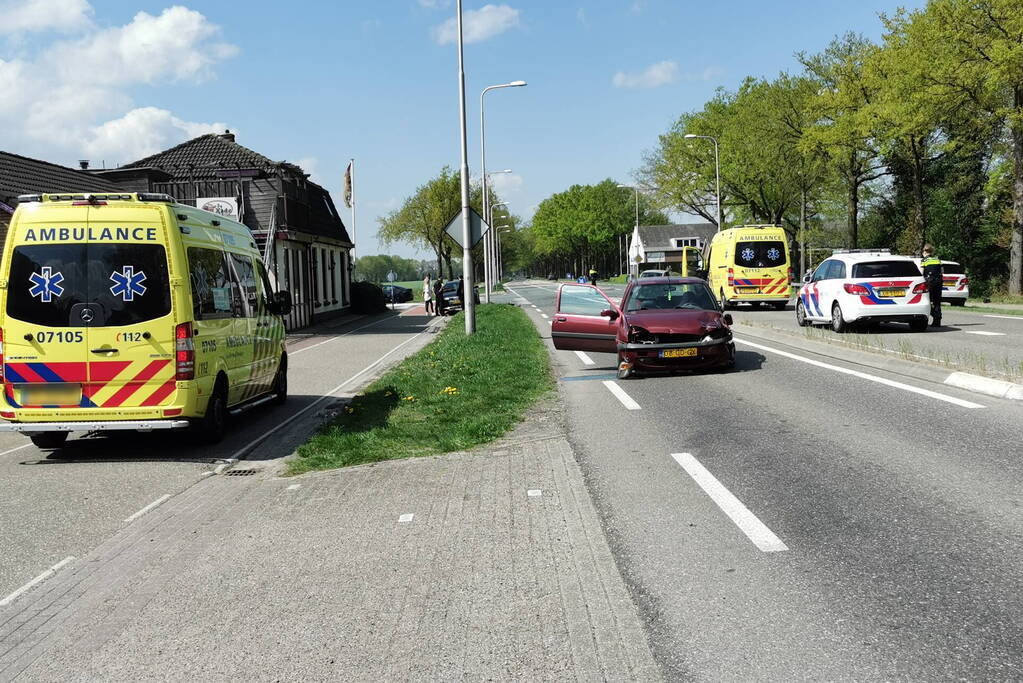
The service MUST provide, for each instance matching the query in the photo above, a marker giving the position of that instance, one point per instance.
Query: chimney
(227, 135)
(83, 164)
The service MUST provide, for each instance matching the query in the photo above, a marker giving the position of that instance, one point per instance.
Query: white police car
(955, 287)
(864, 286)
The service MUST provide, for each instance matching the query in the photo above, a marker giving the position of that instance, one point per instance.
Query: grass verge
(456, 393)
(990, 310)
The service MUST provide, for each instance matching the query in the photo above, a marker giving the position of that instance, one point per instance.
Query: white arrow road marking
(862, 375)
(620, 394)
(584, 358)
(747, 522)
(986, 334)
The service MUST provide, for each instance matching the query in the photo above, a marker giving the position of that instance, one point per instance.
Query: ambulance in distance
(133, 312)
(750, 264)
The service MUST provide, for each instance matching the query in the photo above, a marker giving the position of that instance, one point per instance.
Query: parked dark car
(663, 323)
(396, 293)
(452, 303)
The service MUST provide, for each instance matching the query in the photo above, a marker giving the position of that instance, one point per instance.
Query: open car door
(578, 324)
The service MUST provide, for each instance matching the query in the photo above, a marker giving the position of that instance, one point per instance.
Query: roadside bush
(368, 298)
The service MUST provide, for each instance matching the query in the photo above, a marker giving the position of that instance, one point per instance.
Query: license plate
(678, 353)
(891, 293)
(747, 290)
(57, 394)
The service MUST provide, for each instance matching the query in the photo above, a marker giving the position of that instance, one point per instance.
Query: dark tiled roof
(22, 175)
(201, 157)
(660, 236)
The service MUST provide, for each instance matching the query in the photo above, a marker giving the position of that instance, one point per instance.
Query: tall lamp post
(487, 240)
(499, 270)
(497, 248)
(717, 169)
(470, 301)
(636, 188)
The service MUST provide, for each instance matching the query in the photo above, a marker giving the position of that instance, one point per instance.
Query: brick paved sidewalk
(317, 578)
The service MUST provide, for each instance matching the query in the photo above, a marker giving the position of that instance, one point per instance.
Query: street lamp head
(626, 186)
(517, 84)
(690, 135)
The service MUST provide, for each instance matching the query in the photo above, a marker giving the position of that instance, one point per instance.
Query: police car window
(822, 272)
(767, 254)
(213, 289)
(123, 284)
(247, 281)
(582, 301)
(885, 269)
(836, 271)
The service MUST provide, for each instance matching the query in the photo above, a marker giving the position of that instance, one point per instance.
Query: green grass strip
(457, 392)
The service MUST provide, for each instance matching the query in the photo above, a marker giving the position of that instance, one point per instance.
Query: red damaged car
(663, 323)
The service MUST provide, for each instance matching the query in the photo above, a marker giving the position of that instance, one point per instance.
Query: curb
(919, 371)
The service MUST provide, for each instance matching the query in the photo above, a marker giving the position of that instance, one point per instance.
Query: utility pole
(469, 289)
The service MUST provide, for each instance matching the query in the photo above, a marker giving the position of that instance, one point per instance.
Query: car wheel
(918, 325)
(213, 425)
(838, 323)
(49, 440)
(281, 383)
(729, 364)
(801, 319)
(958, 302)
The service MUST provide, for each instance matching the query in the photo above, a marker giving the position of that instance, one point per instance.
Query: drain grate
(240, 473)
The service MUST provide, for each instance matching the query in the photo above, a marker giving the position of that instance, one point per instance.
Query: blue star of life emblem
(747, 254)
(128, 283)
(773, 254)
(46, 284)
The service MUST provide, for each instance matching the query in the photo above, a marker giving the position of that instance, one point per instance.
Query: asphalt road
(879, 520)
(63, 503)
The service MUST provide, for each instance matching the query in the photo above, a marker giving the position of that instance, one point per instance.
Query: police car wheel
(801, 315)
(49, 440)
(838, 323)
(919, 325)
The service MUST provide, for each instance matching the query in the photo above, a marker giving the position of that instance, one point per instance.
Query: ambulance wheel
(801, 315)
(213, 425)
(838, 323)
(281, 383)
(49, 440)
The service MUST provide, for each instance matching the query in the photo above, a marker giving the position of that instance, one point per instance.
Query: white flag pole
(352, 164)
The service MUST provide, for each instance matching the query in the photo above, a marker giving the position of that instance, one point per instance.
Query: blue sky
(318, 82)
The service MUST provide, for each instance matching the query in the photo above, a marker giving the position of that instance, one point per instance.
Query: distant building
(663, 244)
(305, 244)
(22, 175)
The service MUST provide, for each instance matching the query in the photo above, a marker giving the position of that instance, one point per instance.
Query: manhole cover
(240, 473)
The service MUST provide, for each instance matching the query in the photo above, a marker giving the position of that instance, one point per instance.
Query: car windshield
(694, 296)
(872, 269)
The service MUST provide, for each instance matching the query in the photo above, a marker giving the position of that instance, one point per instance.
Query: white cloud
(478, 25)
(142, 132)
(506, 183)
(655, 75)
(310, 165)
(708, 74)
(24, 16)
(637, 6)
(175, 46)
(434, 4)
(83, 109)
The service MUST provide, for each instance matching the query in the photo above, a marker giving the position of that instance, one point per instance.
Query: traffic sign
(391, 276)
(477, 228)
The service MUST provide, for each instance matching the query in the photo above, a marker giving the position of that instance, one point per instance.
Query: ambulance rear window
(767, 254)
(119, 284)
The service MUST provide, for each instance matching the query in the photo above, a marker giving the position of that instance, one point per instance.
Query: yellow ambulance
(133, 312)
(750, 264)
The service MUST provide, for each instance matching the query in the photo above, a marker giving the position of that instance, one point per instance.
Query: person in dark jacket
(933, 276)
(461, 290)
(438, 296)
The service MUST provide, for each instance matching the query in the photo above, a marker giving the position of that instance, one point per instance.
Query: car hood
(676, 321)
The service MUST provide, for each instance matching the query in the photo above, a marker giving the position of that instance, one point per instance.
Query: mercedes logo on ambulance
(87, 315)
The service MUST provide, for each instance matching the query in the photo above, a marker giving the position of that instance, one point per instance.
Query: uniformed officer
(593, 276)
(933, 276)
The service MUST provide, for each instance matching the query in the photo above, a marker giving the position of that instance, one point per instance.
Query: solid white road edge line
(755, 530)
(1004, 317)
(584, 358)
(862, 375)
(37, 580)
(147, 508)
(336, 337)
(620, 394)
(245, 449)
(986, 334)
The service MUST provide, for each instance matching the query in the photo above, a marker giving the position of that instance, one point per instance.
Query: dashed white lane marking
(406, 518)
(147, 508)
(36, 581)
(620, 394)
(294, 486)
(872, 378)
(544, 316)
(748, 523)
(986, 334)
(1004, 317)
(534, 493)
(584, 358)
(16, 448)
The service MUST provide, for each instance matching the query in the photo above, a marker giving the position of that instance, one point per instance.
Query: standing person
(427, 294)
(461, 290)
(933, 276)
(438, 296)
(593, 276)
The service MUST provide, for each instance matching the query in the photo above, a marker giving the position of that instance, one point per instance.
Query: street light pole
(717, 170)
(636, 231)
(469, 303)
(487, 239)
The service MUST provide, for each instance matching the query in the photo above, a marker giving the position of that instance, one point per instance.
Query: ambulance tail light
(921, 288)
(856, 289)
(184, 352)
(731, 277)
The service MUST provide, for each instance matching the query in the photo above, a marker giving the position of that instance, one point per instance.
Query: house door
(297, 281)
